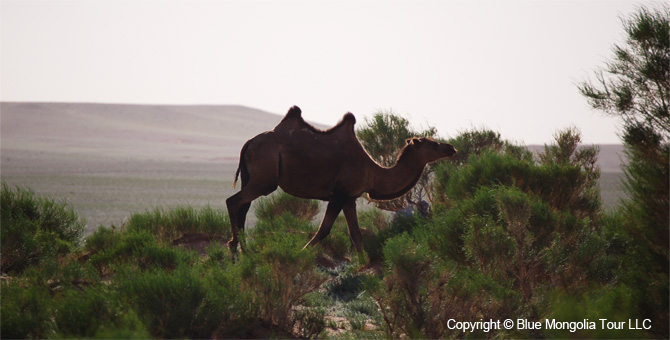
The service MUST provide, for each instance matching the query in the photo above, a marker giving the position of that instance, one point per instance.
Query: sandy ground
(110, 161)
(107, 191)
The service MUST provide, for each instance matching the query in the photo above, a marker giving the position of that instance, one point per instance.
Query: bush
(508, 231)
(168, 225)
(616, 304)
(26, 312)
(85, 312)
(167, 302)
(412, 296)
(385, 230)
(471, 145)
(35, 228)
(271, 207)
(102, 239)
(277, 272)
(139, 249)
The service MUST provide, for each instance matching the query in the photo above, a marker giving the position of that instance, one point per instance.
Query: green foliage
(373, 222)
(513, 237)
(35, 228)
(386, 230)
(644, 225)
(136, 248)
(471, 145)
(168, 225)
(278, 270)
(280, 202)
(311, 322)
(345, 288)
(412, 294)
(102, 239)
(34, 309)
(515, 230)
(635, 85)
(383, 136)
(169, 303)
(616, 304)
(26, 312)
(83, 313)
(477, 141)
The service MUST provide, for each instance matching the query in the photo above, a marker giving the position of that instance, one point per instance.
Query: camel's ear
(413, 141)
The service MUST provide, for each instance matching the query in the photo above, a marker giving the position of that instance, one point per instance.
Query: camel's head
(429, 149)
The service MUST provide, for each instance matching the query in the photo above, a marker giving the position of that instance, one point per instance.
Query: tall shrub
(35, 228)
(634, 85)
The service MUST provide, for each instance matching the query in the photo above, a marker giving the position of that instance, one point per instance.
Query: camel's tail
(242, 167)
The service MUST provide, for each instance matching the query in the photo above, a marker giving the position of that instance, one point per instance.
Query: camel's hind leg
(238, 206)
(259, 168)
(352, 222)
(334, 208)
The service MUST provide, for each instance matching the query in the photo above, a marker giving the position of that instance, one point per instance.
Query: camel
(328, 165)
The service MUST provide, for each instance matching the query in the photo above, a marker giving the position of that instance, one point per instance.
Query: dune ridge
(156, 132)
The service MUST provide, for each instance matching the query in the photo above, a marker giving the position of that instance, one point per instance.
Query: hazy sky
(511, 66)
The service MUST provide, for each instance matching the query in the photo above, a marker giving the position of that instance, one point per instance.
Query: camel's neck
(390, 183)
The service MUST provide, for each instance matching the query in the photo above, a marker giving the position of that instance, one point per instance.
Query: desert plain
(111, 160)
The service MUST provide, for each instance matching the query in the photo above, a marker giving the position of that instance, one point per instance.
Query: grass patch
(170, 224)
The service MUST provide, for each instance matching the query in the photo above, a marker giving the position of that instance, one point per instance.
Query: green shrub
(471, 145)
(85, 312)
(267, 231)
(275, 205)
(386, 229)
(102, 239)
(168, 302)
(616, 304)
(311, 322)
(126, 326)
(168, 225)
(139, 249)
(218, 255)
(35, 228)
(345, 288)
(230, 310)
(412, 296)
(508, 231)
(277, 272)
(26, 312)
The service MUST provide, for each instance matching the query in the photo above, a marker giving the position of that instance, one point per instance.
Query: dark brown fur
(328, 165)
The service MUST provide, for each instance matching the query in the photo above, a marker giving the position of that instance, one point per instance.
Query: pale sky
(511, 66)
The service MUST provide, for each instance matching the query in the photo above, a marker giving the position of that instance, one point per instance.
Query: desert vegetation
(510, 235)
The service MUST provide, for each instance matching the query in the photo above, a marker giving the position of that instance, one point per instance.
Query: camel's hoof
(232, 245)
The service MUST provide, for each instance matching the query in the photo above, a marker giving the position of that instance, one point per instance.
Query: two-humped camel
(327, 165)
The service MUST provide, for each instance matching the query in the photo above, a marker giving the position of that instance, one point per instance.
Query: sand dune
(155, 132)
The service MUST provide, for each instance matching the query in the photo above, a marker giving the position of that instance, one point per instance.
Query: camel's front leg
(334, 208)
(352, 223)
